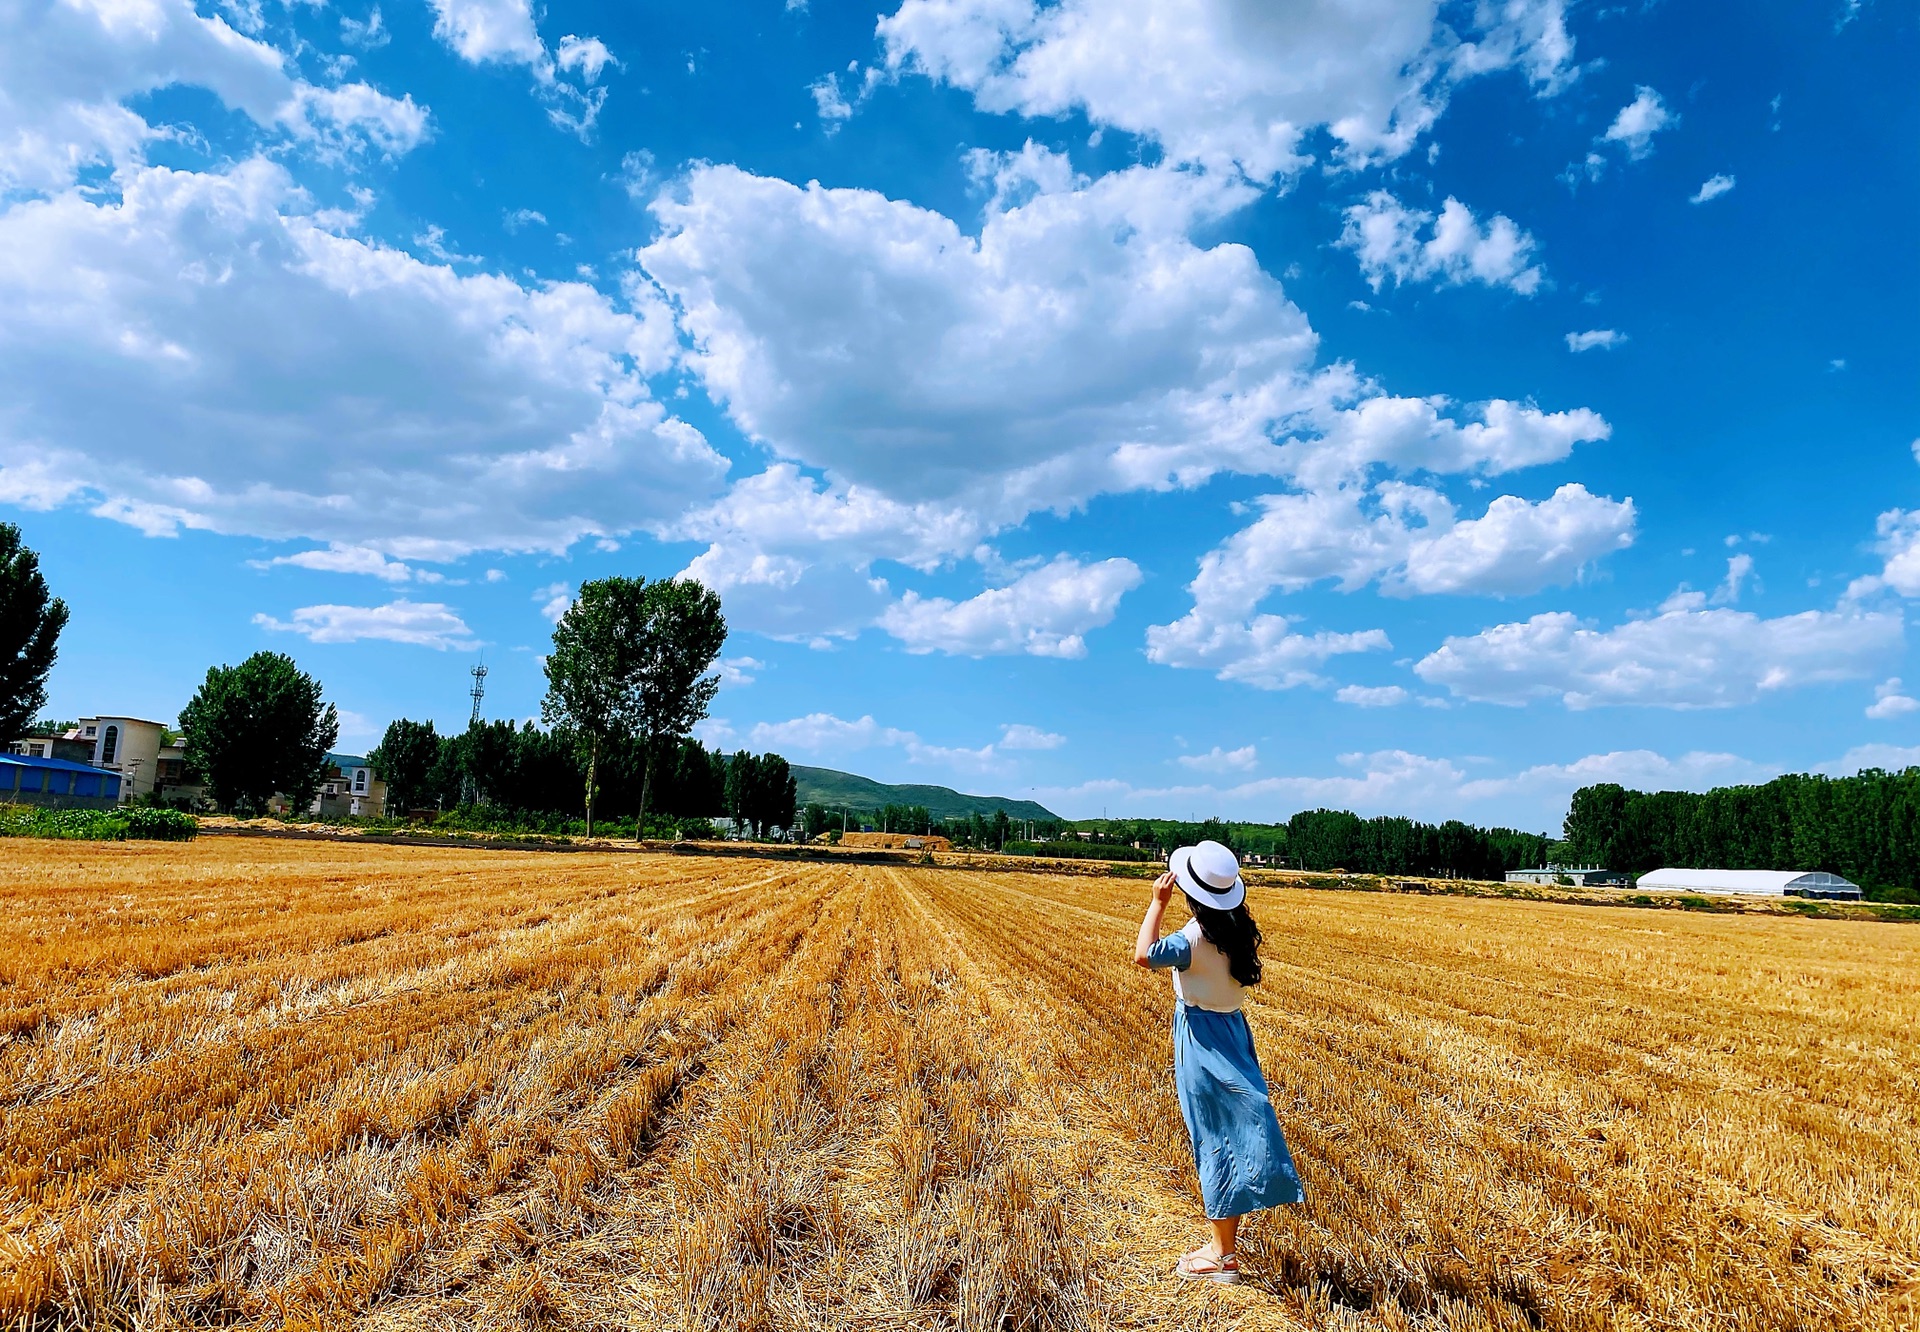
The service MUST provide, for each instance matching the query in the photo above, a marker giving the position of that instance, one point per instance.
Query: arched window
(360, 781)
(109, 743)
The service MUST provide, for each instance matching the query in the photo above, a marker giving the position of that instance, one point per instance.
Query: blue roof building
(60, 783)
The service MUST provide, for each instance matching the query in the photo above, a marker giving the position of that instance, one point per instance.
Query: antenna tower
(479, 690)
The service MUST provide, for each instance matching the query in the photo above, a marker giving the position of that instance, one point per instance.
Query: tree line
(526, 770)
(1323, 839)
(1865, 828)
(627, 681)
(1319, 839)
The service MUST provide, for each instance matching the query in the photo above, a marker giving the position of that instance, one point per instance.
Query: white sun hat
(1209, 873)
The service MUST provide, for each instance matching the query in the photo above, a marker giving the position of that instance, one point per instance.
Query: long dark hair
(1233, 933)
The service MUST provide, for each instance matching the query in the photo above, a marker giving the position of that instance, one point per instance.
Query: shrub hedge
(98, 825)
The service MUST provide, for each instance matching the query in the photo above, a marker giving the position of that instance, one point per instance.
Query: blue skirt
(1237, 1144)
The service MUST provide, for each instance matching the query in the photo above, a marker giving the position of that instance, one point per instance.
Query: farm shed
(1763, 883)
(61, 783)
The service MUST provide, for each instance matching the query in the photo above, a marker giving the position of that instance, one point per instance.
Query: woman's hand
(1163, 887)
(1150, 923)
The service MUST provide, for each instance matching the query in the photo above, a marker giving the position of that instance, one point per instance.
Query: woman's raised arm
(1150, 923)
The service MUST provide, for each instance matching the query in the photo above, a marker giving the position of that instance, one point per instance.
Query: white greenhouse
(1763, 883)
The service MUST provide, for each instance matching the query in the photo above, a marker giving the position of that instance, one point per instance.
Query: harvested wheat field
(251, 1083)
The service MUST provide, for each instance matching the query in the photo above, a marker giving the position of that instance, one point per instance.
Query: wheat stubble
(263, 1084)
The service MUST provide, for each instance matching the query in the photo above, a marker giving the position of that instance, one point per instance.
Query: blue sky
(1152, 408)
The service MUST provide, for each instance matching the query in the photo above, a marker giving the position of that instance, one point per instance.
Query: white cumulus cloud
(1243, 759)
(1263, 651)
(1372, 696)
(587, 55)
(343, 559)
(1739, 570)
(553, 600)
(1407, 537)
(824, 735)
(1898, 533)
(204, 352)
(1711, 188)
(368, 34)
(1888, 758)
(829, 103)
(1019, 735)
(69, 70)
(923, 389)
(822, 732)
(1082, 343)
(1632, 130)
(1606, 339)
(1230, 83)
(1410, 538)
(739, 671)
(420, 623)
(503, 32)
(1890, 701)
(1044, 613)
(1638, 121)
(1409, 435)
(490, 30)
(1385, 235)
(1518, 547)
(1686, 656)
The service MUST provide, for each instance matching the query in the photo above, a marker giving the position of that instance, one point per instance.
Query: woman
(1237, 1144)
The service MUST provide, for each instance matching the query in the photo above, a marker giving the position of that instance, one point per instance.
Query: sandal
(1197, 1266)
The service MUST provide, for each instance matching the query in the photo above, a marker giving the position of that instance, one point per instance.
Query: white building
(349, 787)
(129, 746)
(126, 745)
(1580, 876)
(1760, 883)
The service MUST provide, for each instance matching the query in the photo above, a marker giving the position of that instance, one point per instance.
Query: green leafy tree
(629, 663)
(761, 792)
(30, 625)
(778, 793)
(405, 758)
(591, 672)
(489, 763)
(258, 728)
(446, 779)
(743, 779)
(689, 781)
(679, 634)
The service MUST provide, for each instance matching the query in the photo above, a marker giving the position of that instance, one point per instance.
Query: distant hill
(825, 786)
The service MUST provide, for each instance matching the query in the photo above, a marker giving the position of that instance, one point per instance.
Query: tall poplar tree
(30, 625)
(592, 670)
(681, 632)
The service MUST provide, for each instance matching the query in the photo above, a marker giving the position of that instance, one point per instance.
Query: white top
(1201, 974)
